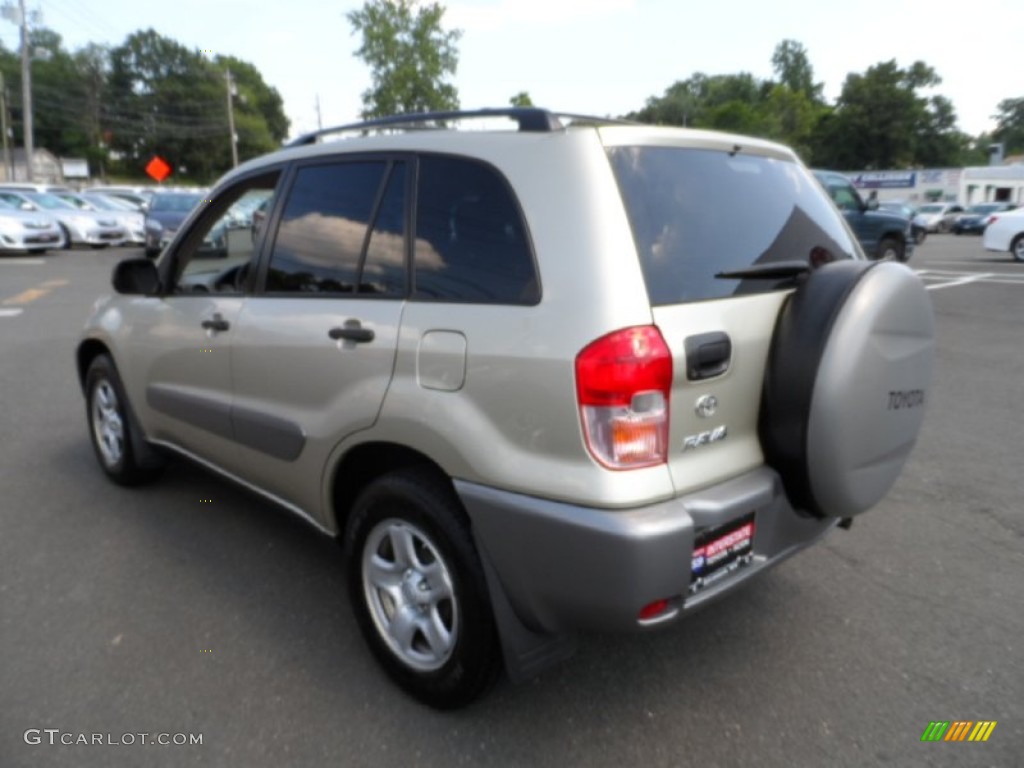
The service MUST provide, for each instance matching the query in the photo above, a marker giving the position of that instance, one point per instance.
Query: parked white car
(96, 229)
(28, 231)
(938, 217)
(131, 221)
(1005, 232)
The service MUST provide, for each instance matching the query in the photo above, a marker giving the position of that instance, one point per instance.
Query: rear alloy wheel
(112, 428)
(890, 249)
(846, 384)
(418, 590)
(1017, 248)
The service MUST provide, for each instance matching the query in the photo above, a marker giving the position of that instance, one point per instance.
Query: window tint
(323, 227)
(384, 268)
(471, 243)
(695, 213)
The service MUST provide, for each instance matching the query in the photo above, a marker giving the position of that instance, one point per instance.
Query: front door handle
(352, 330)
(216, 324)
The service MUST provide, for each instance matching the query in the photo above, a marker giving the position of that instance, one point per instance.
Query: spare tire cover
(846, 384)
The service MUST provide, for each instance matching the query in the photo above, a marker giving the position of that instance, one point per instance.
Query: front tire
(418, 590)
(890, 249)
(112, 427)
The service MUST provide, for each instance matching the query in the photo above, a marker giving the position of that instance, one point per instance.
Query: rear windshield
(698, 212)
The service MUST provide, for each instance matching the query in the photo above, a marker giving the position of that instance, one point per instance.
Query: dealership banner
(884, 180)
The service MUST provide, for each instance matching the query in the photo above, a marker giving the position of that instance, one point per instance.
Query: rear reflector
(653, 610)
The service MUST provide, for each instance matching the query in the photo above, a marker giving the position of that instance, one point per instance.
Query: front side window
(217, 253)
(697, 212)
(471, 241)
(325, 242)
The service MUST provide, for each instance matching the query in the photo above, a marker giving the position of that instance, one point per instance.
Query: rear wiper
(774, 270)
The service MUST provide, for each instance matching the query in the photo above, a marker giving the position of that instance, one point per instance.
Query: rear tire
(113, 429)
(1017, 248)
(418, 590)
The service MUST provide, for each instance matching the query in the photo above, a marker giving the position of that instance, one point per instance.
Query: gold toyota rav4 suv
(567, 375)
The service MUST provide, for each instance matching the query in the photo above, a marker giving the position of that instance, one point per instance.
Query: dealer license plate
(717, 552)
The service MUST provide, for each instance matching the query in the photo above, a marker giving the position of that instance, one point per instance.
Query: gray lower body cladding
(560, 569)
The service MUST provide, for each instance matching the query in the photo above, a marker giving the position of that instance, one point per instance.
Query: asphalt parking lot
(191, 607)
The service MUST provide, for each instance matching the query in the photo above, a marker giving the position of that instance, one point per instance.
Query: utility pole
(231, 117)
(26, 93)
(3, 126)
(19, 16)
(319, 120)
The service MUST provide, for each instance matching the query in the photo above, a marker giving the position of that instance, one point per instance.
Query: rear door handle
(707, 355)
(352, 330)
(216, 323)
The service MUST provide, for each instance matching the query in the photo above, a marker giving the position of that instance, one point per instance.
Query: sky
(601, 57)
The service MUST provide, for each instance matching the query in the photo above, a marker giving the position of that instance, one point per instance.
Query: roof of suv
(445, 132)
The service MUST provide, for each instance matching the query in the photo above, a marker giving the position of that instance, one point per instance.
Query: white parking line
(972, 264)
(10, 312)
(22, 262)
(947, 278)
(961, 281)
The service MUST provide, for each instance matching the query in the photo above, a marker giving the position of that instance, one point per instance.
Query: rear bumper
(562, 568)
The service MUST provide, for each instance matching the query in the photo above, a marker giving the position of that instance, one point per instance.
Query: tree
(521, 99)
(1010, 125)
(168, 100)
(880, 121)
(794, 70)
(410, 56)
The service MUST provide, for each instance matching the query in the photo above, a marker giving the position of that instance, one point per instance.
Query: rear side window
(697, 212)
(471, 242)
(324, 225)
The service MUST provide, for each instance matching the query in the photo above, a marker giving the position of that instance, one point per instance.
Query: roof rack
(532, 119)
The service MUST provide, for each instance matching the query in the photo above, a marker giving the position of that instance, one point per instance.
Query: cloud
(495, 15)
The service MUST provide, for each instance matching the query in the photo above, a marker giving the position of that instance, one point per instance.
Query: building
(981, 184)
(994, 183)
(45, 166)
(915, 187)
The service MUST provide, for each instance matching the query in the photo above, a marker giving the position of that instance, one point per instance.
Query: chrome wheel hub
(408, 589)
(107, 426)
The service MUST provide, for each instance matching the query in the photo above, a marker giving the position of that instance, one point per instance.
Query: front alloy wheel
(114, 435)
(107, 424)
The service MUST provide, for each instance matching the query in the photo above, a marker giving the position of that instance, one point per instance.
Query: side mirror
(136, 277)
(27, 206)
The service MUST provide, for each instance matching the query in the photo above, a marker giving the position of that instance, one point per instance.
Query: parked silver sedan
(96, 229)
(132, 221)
(25, 231)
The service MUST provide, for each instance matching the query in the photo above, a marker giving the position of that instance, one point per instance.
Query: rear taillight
(622, 386)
